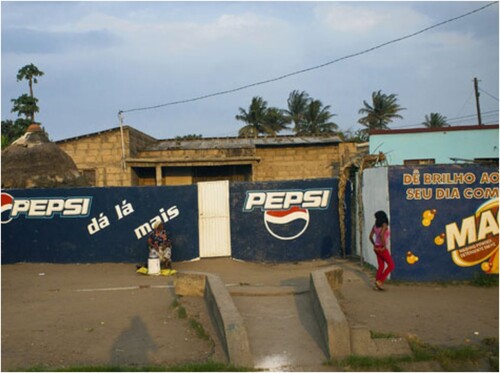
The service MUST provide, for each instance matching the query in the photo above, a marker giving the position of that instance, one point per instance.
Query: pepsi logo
(7, 201)
(288, 224)
(286, 212)
(44, 208)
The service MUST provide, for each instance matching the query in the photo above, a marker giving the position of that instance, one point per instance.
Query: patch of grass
(175, 303)
(450, 358)
(369, 363)
(194, 324)
(381, 335)
(484, 280)
(181, 311)
(455, 358)
(199, 329)
(209, 366)
(491, 347)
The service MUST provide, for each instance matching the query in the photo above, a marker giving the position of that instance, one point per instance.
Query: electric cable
(489, 94)
(455, 119)
(310, 68)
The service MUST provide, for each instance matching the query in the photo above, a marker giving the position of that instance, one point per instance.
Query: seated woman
(159, 242)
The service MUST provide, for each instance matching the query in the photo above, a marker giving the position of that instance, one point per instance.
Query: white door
(213, 217)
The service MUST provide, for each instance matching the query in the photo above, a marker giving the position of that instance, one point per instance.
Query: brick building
(128, 157)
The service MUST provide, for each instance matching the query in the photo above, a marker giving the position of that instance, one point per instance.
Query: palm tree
(435, 120)
(384, 110)
(30, 73)
(275, 121)
(316, 120)
(256, 119)
(297, 105)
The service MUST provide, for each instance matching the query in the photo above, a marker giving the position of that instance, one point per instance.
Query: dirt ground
(99, 314)
(106, 314)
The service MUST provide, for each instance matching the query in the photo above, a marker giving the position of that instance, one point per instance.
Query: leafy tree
(435, 120)
(5, 142)
(260, 119)
(356, 136)
(383, 110)
(316, 120)
(25, 105)
(12, 130)
(254, 118)
(276, 120)
(297, 106)
(28, 106)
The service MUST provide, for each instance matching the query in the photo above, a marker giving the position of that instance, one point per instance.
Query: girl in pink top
(379, 237)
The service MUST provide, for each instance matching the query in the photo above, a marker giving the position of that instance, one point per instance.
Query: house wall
(304, 162)
(439, 145)
(102, 153)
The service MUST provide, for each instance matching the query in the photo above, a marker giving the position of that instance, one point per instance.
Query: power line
(493, 97)
(455, 119)
(472, 115)
(310, 68)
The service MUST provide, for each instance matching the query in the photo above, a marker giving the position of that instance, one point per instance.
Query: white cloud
(180, 36)
(359, 19)
(346, 18)
(454, 40)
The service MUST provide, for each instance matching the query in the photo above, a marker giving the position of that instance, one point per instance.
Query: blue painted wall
(92, 225)
(107, 230)
(262, 230)
(452, 196)
(441, 145)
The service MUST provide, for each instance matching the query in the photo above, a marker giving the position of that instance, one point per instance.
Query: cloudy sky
(103, 57)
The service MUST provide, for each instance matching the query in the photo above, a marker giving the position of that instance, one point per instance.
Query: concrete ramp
(293, 323)
(282, 329)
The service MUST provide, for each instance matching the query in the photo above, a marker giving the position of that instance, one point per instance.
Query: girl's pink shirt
(378, 239)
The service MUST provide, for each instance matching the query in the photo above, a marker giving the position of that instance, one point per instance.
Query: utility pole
(476, 89)
(120, 117)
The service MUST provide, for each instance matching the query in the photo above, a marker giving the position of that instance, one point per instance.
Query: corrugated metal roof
(237, 142)
(219, 142)
(126, 127)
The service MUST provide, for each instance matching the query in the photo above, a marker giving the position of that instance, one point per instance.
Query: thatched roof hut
(32, 161)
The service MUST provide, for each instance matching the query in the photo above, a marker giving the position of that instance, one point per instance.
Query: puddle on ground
(275, 363)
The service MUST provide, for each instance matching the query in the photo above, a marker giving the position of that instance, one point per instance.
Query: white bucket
(154, 266)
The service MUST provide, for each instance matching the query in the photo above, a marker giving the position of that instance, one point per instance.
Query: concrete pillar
(158, 175)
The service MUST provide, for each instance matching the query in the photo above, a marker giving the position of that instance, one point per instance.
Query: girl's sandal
(379, 285)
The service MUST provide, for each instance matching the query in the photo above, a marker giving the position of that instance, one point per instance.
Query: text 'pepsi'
(48, 207)
(283, 200)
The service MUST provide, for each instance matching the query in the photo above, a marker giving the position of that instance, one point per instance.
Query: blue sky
(102, 57)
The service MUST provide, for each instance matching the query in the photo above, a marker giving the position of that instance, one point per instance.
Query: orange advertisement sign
(474, 241)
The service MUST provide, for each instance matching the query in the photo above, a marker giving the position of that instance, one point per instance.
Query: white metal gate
(213, 217)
